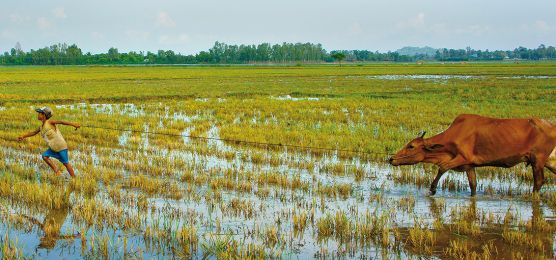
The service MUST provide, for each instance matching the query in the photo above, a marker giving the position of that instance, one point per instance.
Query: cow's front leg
(435, 181)
(538, 177)
(472, 178)
(455, 162)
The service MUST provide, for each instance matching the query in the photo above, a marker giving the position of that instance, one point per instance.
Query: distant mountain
(413, 51)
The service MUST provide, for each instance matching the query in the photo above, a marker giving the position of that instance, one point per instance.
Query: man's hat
(46, 111)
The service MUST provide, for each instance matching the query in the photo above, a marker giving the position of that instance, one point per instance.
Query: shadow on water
(467, 237)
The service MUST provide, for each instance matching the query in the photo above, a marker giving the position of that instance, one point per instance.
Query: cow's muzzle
(392, 161)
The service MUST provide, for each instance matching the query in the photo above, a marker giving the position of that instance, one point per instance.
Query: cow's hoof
(473, 194)
(432, 192)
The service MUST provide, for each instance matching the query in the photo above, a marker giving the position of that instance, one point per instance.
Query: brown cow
(474, 141)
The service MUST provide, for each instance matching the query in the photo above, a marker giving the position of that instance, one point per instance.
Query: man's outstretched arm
(21, 137)
(60, 122)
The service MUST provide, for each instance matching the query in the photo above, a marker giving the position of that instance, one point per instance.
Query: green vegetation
(285, 53)
(338, 56)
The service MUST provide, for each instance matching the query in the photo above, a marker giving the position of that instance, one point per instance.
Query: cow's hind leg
(472, 178)
(436, 179)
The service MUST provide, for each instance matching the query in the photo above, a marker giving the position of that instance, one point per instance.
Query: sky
(190, 26)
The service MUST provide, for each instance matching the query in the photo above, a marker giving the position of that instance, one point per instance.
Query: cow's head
(414, 152)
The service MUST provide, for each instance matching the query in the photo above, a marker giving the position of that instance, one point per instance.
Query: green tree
(113, 55)
(339, 56)
(73, 55)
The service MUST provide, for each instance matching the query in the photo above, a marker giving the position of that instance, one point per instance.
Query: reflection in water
(51, 227)
(471, 234)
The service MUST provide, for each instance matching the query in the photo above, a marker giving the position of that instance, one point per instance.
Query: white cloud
(163, 19)
(17, 18)
(355, 29)
(172, 40)
(542, 26)
(43, 23)
(537, 26)
(59, 12)
(413, 22)
(419, 25)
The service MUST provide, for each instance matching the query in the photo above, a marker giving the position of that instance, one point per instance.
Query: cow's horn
(422, 134)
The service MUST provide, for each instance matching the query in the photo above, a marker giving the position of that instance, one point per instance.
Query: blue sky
(190, 26)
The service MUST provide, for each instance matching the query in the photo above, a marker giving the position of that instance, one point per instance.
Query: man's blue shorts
(62, 156)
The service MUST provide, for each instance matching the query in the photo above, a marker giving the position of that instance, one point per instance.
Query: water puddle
(290, 98)
(424, 77)
(527, 77)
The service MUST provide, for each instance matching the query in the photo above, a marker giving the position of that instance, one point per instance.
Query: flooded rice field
(270, 162)
(142, 194)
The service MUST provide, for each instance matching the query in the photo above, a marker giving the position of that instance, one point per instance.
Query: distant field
(176, 195)
(396, 108)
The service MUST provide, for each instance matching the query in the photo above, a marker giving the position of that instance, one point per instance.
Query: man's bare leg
(51, 164)
(70, 169)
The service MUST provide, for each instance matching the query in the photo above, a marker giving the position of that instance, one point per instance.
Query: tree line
(221, 53)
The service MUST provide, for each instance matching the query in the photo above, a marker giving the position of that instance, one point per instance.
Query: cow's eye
(410, 146)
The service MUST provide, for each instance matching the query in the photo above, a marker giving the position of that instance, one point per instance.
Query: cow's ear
(433, 147)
